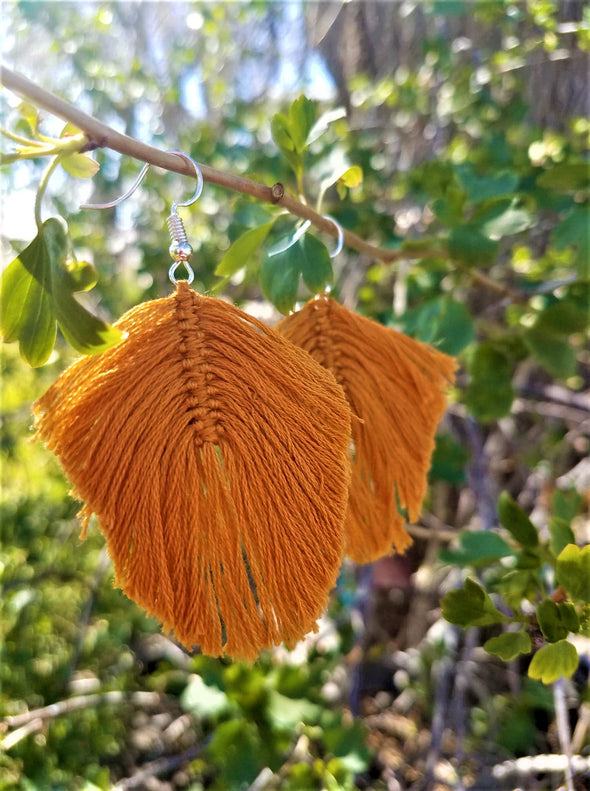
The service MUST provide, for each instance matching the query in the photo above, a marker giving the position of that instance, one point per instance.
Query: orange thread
(396, 390)
(215, 455)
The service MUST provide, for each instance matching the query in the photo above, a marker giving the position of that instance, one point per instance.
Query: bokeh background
(454, 110)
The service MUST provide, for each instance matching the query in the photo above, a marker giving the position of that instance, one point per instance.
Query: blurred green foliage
(494, 222)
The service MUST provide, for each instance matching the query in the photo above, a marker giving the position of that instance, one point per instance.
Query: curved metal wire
(142, 174)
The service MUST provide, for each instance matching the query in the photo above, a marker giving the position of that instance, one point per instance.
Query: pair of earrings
(216, 454)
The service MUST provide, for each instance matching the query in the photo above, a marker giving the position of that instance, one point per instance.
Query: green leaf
(301, 120)
(563, 317)
(509, 645)
(448, 460)
(204, 700)
(557, 620)
(443, 322)
(242, 250)
(83, 275)
(585, 620)
(566, 177)
(573, 230)
(281, 133)
(489, 394)
(560, 534)
(287, 713)
(81, 166)
(470, 606)
(279, 274)
(236, 749)
(27, 310)
(554, 661)
(483, 188)
(515, 520)
(353, 177)
(37, 290)
(467, 244)
(30, 113)
(504, 218)
(477, 548)
(566, 504)
(348, 744)
(280, 129)
(573, 571)
(552, 351)
(314, 262)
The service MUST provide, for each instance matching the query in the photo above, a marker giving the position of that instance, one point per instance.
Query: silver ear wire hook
(180, 249)
(340, 241)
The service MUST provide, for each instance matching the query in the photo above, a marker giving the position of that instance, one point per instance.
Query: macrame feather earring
(396, 390)
(215, 455)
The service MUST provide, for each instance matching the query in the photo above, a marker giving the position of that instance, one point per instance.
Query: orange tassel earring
(215, 455)
(395, 387)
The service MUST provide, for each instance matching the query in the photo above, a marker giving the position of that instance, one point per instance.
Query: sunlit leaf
(30, 113)
(301, 116)
(81, 166)
(37, 291)
(557, 660)
(573, 571)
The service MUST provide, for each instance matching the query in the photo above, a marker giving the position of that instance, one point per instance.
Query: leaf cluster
(514, 571)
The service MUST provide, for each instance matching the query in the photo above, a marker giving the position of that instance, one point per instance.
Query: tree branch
(100, 135)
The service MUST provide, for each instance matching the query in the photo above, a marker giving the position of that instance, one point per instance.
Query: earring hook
(142, 174)
(340, 240)
(180, 249)
(302, 230)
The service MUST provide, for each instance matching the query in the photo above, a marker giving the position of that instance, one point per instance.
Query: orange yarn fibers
(395, 387)
(216, 457)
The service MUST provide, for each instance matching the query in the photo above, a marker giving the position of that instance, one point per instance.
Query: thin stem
(42, 189)
(24, 141)
(563, 731)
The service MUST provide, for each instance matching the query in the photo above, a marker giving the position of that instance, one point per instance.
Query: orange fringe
(395, 387)
(216, 457)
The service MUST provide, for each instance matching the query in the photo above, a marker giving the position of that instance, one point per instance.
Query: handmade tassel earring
(215, 455)
(396, 390)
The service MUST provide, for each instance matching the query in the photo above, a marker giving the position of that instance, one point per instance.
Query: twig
(83, 702)
(563, 731)
(160, 766)
(537, 764)
(21, 733)
(441, 706)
